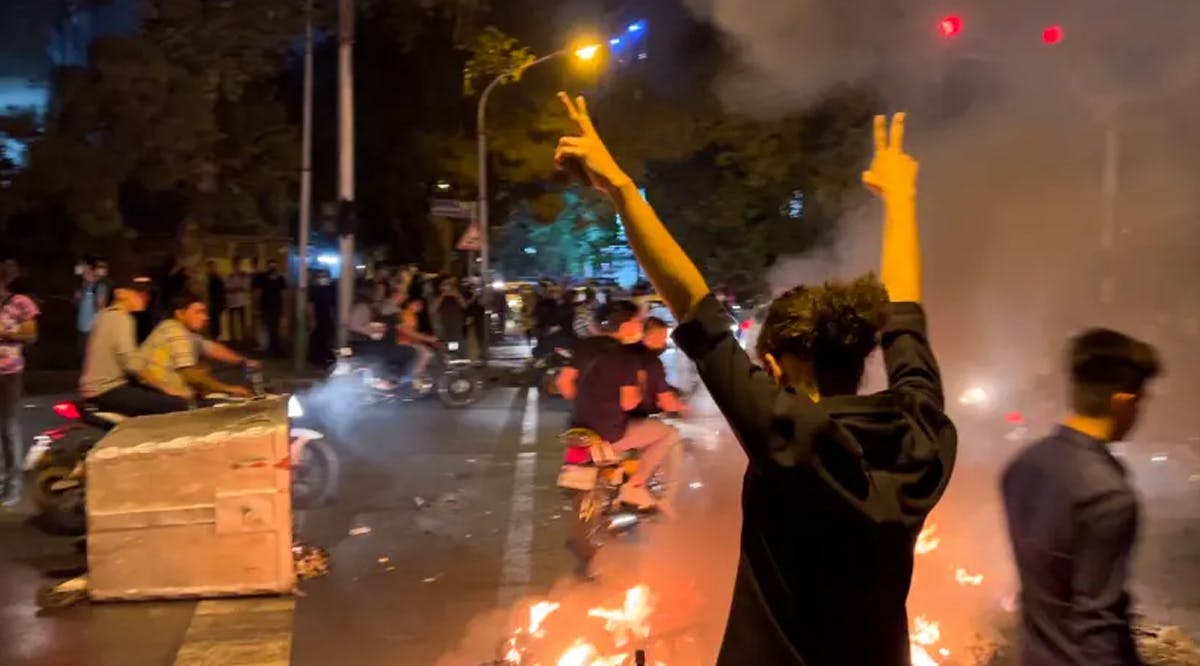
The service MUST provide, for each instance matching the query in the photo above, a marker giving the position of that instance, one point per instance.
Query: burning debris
(625, 625)
(963, 578)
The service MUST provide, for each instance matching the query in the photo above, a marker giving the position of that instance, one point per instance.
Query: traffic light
(1053, 34)
(950, 26)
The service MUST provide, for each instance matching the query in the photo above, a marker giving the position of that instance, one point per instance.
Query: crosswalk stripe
(239, 632)
(517, 564)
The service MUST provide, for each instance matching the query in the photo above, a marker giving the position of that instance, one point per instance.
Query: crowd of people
(838, 485)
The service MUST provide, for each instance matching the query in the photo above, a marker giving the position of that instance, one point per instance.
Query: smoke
(1026, 150)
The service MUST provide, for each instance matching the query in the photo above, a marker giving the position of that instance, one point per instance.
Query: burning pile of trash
(625, 643)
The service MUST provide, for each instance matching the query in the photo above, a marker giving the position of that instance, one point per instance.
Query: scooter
(58, 484)
(455, 380)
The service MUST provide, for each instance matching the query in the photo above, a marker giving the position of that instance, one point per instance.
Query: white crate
(192, 504)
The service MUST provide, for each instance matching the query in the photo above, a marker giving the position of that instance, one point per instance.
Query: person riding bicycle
(115, 375)
(175, 347)
(604, 382)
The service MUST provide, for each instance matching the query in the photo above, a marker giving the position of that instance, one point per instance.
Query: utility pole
(1109, 190)
(305, 194)
(346, 213)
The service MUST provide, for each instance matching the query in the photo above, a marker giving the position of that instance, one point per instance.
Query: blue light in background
(615, 41)
(636, 26)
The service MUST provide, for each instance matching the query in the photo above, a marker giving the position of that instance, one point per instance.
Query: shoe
(637, 496)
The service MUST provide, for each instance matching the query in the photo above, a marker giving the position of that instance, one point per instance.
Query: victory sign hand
(893, 172)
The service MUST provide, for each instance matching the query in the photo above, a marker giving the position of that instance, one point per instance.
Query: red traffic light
(950, 26)
(1053, 34)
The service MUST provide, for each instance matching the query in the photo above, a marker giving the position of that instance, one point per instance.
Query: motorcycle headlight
(295, 411)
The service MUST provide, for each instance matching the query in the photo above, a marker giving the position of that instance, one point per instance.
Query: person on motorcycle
(838, 485)
(175, 347)
(116, 376)
(657, 394)
(409, 336)
(604, 381)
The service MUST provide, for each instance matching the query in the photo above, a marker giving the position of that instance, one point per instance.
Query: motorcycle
(58, 484)
(455, 380)
(591, 476)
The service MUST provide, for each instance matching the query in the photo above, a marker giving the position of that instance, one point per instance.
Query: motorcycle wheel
(587, 533)
(62, 510)
(315, 476)
(459, 387)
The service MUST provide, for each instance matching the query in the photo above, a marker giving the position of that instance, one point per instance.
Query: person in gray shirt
(115, 377)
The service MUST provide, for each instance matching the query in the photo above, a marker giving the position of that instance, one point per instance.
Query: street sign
(460, 210)
(470, 240)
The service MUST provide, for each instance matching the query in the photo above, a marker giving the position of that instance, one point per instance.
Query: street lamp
(586, 53)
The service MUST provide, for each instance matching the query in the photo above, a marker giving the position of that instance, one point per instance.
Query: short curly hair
(834, 327)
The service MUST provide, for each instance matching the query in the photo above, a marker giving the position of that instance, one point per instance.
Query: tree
(179, 121)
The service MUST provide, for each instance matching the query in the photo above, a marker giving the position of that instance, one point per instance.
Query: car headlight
(295, 411)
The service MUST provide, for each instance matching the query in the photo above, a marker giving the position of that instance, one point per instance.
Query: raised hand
(588, 150)
(893, 172)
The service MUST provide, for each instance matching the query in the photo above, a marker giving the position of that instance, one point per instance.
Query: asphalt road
(448, 525)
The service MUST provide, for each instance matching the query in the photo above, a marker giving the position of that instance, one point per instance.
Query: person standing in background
(451, 309)
(18, 327)
(216, 300)
(271, 288)
(237, 295)
(1073, 514)
(89, 299)
(322, 304)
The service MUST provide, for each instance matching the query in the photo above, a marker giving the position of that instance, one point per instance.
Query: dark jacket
(833, 500)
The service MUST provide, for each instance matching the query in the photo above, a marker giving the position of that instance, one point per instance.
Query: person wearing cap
(115, 374)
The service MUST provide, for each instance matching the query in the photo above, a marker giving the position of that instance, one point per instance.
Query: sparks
(925, 632)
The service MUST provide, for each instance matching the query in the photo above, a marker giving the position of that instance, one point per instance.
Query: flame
(926, 541)
(925, 632)
(629, 621)
(920, 657)
(538, 614)
(963, 578)
(583, 653)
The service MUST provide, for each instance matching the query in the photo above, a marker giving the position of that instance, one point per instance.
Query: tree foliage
(185, 109)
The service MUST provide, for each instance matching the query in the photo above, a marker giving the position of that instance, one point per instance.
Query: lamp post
(584, 53)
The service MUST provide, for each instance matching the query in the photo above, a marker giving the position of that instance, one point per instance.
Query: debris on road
(311, 561)
(421, 502)
(359, 531)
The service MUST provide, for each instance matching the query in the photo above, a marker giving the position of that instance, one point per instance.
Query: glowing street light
(587, 52)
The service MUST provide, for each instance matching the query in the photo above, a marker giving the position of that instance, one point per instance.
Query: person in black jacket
(838, 485)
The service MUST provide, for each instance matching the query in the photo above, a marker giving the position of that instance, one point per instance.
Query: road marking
(239, 632)
(517, 563)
